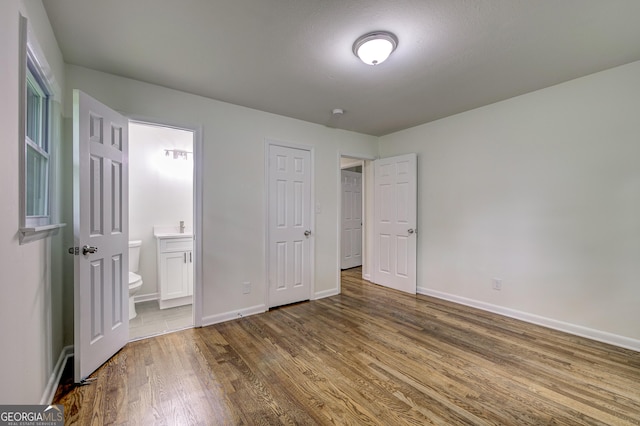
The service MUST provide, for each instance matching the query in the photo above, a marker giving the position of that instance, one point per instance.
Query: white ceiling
(294, 58)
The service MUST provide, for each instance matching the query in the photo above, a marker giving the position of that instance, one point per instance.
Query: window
(37, 148)
(37, 92)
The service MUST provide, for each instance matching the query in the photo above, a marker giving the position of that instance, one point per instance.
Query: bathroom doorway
(162, 206)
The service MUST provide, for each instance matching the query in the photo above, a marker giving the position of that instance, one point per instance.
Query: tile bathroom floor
(151, 320)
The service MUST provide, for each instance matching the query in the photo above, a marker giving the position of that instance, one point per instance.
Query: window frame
(34, 71)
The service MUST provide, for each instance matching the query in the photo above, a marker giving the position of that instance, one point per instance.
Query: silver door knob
(89, 249)
(410, 231)
(307, 233)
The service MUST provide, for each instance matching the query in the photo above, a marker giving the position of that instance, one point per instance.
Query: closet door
(289, 227)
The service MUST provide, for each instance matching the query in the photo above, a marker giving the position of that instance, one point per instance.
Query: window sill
(35, 233)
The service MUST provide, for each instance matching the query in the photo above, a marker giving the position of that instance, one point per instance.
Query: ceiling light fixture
(177, 153)
(374, 48)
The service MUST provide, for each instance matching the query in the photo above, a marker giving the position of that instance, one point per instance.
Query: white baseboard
(174, 303)
(146, 297)
(56, 375)
(228, 316)
(326, 293)
(578, 330)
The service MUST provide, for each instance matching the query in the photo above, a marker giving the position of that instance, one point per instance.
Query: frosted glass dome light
(374, 48)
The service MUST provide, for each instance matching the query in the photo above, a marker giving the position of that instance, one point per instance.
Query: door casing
(366, 161)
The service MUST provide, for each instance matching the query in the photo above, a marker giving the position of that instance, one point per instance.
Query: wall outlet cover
(497, 284)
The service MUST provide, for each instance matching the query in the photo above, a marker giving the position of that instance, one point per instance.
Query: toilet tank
(134, 255)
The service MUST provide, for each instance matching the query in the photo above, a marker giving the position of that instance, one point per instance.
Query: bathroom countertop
(172, 235)
(170, 232)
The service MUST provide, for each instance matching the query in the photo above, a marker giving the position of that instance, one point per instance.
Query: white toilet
(135, 280)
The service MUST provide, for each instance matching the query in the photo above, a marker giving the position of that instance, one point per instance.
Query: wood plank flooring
(370, 356)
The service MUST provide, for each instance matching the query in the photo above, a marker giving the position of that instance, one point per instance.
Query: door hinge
(74, 250)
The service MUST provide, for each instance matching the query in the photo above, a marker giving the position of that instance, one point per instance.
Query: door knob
(410, 231)
(307, 233)
(89, 249)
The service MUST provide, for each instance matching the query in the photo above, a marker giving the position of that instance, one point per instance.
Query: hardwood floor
(368, 356)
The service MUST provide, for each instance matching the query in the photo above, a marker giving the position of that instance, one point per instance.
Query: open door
(101, 229)
(395, 221)
(351, 247)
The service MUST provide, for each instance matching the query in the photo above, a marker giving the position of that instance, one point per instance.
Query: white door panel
(351, 255)
(395, 220)
(289, 217)
(100, 207)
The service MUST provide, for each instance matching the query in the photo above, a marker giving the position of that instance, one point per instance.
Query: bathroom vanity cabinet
(175, 270)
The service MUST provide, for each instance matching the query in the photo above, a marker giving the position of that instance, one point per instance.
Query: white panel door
(351, 254)
(101, 229)
(395, 221)
(289, 225)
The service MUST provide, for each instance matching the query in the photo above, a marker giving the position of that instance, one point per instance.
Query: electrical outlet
(497, 284)
(246, 287)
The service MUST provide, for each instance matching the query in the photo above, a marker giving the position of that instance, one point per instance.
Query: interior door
(351, 255)
(395, 220)
(289, 225)
(101, 229)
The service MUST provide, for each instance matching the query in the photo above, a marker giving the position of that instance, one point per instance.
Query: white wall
(233, 181)
(160, 191)
(30, 306)
(543, 192)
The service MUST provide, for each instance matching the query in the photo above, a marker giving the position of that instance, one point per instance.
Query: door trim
(268, 142)
(197, 204)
